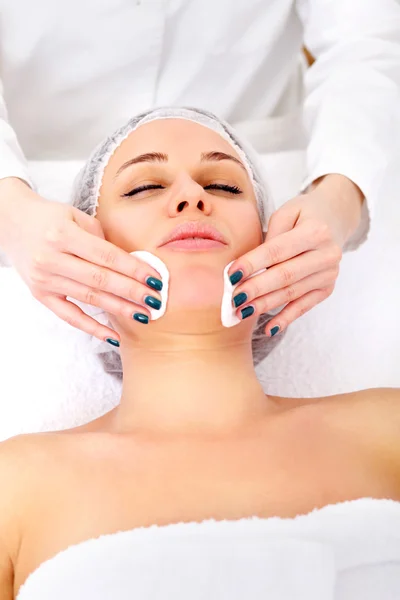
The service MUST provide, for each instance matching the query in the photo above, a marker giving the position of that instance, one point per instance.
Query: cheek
(128, 229)
(246, 229)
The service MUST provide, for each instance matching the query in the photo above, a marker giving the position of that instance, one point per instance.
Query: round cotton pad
(99, 347)
(159, 266)
(228, 311)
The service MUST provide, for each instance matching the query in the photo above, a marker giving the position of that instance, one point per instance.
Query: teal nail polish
(153, 302)
(240, 299)
(112, 342)
(141, 318)
(236, 277)
(247, 312)
(154, 283)
(274, 330)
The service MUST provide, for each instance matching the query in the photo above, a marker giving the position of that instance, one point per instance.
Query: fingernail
(141, 318)
(247, 312)
(274, 330)
(112, 342)
(240, 299)
(153, 302)
(236, 277)
(154, 283)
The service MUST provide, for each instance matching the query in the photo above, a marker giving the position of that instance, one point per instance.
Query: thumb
(88, 223)
(282, 220)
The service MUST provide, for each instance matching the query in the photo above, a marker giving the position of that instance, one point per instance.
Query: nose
(188, 197)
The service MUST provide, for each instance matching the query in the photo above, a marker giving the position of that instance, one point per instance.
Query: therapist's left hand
(302, 252)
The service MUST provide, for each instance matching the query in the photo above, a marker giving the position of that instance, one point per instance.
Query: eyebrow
(216, 156)
(161, 157)
(148, 157)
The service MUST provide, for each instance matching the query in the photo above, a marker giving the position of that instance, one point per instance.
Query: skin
(194, 435)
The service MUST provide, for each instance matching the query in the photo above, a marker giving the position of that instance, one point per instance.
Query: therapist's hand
(302, 252)
(60, 251)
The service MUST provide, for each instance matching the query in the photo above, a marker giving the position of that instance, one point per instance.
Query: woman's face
(172, 172)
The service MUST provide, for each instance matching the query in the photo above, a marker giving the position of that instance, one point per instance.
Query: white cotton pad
(157, 264)
(228, 311)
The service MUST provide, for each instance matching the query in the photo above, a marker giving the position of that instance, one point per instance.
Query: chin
(196, 285)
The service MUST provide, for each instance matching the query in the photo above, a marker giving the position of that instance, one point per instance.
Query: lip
(193, 244)
(194, 235)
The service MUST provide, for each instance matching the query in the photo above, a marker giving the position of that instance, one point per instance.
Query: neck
(189, 385)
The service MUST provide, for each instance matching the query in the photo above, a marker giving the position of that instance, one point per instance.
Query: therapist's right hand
(60, 251)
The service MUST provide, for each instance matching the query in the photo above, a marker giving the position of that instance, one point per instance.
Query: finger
(103, 253)
(282, 220)
(95, 278)
(296, 309)
(74, 316)
(316, 281)
(108, 302)
(288, 273)
(278, 250)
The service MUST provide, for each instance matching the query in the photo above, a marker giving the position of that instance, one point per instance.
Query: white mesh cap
(87, 184)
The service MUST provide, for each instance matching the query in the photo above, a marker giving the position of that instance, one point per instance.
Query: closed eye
(232, 189)
(143, 188)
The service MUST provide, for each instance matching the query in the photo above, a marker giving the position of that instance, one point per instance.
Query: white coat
(71, 72)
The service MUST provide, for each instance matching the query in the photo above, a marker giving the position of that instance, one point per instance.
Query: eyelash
(232, 189)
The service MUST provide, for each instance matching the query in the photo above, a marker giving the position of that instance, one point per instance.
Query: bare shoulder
(372, 416)
(15, 463)
(382, 408)
(23, 460)
(376, 410)
(20, 453)
(16, 460)
(377, 406)
(20, 457)
(368, 398)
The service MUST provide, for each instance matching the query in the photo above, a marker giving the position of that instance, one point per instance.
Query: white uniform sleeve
(12, 160)
(352, 103)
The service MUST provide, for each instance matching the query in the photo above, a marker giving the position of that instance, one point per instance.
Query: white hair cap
(85, 195)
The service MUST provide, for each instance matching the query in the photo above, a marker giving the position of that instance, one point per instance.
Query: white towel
(344, 551)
